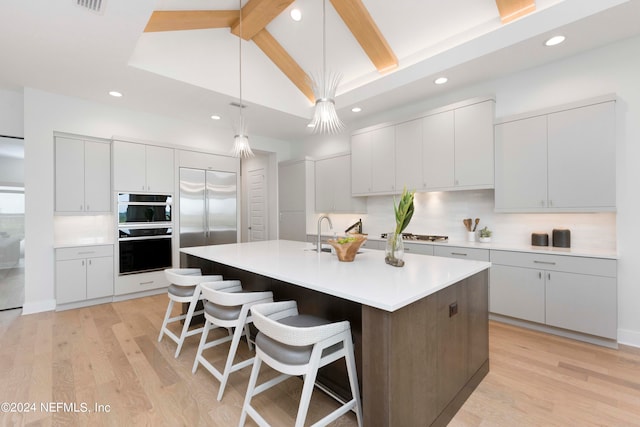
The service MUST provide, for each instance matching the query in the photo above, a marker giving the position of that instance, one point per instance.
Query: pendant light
(325, 118)
(241, 147)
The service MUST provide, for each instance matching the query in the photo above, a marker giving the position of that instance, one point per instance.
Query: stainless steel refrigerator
(208, 207)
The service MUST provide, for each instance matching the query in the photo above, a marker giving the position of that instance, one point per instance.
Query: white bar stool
(227, 306)
(296, 344)
(184, 287)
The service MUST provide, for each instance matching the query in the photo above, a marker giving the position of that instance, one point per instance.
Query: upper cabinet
(295, 198)
(446, 149)
(82, 175)
(373, 162)
(556, 161)
(332, 186)
(142, 168)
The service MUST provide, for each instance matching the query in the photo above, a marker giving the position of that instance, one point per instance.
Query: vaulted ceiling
(185, 64)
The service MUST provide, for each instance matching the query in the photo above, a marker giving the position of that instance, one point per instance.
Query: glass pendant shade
(325, 118)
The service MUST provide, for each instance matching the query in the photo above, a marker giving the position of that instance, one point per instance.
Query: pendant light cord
(324, 45)
(240, 66)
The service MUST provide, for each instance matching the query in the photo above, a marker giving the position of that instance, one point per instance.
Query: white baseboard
(38, 306)
(629, 337)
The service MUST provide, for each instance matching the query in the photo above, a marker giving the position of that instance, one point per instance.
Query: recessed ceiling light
(296, 15)
(356, 109)
(310, 125)
(215, 117)
(554, 40)
(441, 80)
(116, 94)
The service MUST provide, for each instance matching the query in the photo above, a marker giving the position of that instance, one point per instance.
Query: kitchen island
(420, 331)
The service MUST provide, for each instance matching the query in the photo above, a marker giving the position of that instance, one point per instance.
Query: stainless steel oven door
(144, 249)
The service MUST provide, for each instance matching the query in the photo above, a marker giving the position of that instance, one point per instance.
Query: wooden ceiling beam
(357, 18)
(514, 9)
(176, 20)
(274, 51)
(256, 15)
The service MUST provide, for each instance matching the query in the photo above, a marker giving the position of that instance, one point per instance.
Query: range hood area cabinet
(143, 168)
(333, 186)
(450, 148)
(82, 175)
(559, 160)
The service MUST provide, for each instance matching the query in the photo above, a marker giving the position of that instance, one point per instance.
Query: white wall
(45, 113)
(11, 170)
(11, 113)
(611, 69)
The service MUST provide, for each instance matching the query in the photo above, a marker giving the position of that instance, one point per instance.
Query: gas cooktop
(424, 237)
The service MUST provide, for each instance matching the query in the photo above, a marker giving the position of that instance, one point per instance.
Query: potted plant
(485, 235)
(394, 251)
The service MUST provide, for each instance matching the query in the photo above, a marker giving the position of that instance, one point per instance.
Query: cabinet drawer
(462, 253)
(373, 244)
(132, 283)
(571, 264)
(417, 248)
(84, 252)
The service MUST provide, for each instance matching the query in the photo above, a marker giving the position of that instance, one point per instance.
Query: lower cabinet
(415, 248)
(569, 292)
(84, 273)
(462, 252)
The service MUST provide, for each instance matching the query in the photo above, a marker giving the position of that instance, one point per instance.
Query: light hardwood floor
(109, 355)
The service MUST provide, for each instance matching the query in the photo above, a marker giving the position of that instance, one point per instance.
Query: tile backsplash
(441, 213)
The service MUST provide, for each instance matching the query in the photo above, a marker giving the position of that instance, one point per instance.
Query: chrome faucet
(319, 243)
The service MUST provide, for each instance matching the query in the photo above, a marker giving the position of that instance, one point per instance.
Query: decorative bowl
(346, 251)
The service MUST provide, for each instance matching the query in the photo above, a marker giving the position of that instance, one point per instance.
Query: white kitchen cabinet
(473, 138)
(143, 168)
(408, 156)
(415, 248)
(82, 176)
(462, 252)
(569, 292)
(295, 198)
(438, 152)
(517, 292)
(84, 273)
(332, 186)
(561, 160)
(582, 157)
(450, 148)
(373, 162)
(521, 164)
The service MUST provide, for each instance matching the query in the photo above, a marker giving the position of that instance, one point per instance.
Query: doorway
(259, 193)
(11, 222)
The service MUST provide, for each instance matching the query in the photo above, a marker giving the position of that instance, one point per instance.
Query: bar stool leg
(166, 319)
(232, 354)
(250, 390)
(353, 378)
(203, 341)
(187, 319)
(305, 397)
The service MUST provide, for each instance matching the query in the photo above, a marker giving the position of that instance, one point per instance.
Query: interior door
(257, 205)
(192, 207)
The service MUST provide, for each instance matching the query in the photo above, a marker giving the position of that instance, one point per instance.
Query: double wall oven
(145, 231)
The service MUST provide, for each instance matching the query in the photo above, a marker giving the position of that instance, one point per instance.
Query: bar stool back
(295, 344)
(184, 288)
(227, 306)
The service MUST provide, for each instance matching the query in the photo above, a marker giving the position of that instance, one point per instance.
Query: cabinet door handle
(544, 262)
(458, 253)
(88, 208)
(81, 207)
(539, 274)
(541, 202)
(146, 283)
(83, 263)
(550, 202)
(548, 276)
(89, 262)
(85, 252)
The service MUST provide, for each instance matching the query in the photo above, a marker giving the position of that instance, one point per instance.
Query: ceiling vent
(95, 6)
(237, 105)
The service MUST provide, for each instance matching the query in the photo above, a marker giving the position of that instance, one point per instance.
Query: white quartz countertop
(367, 280)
